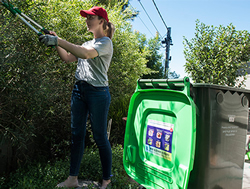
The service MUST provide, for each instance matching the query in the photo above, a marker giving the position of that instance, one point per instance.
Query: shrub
(47, 175)
(118, 110)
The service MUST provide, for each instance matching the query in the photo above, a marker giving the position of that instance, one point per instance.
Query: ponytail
(108, 28)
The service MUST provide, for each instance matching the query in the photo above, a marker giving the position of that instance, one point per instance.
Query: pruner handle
(46, 31)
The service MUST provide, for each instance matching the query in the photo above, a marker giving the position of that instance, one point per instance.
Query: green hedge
(48, 175)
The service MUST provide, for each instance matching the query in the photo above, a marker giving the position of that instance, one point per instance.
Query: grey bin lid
(220, 87)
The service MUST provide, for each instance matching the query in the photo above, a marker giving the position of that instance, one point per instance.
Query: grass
(47, 175)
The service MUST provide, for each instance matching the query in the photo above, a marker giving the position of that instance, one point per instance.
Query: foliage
(117, 113)
(36, 85)
(113, 3)
(217, 55)
(128, 63)
(154, 58)
(47, 175)
(173, 75)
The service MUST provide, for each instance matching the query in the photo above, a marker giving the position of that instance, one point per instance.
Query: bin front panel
(221, 135)
(160, 138)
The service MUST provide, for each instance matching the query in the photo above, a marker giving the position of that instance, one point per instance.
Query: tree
(217, 55)
(129, 58)
(113, 3)
(125, 5)
(173, 75)
(153, 46)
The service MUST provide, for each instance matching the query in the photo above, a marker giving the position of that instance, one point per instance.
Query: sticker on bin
(159, 139)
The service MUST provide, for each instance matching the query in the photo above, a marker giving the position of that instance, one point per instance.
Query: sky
(181, 16)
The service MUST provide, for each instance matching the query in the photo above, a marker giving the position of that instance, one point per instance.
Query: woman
(90, 96)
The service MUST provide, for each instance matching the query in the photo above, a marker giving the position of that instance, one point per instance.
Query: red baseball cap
(99, 11)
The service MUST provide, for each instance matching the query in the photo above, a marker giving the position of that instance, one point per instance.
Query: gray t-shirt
(94, 71)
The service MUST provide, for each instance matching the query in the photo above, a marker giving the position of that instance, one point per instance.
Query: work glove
(48, 40)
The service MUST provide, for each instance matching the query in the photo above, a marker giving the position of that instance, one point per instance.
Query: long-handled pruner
(15, 11)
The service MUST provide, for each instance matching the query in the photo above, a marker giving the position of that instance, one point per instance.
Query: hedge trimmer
(16, 12)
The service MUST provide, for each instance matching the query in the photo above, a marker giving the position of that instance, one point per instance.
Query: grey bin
(222, 121)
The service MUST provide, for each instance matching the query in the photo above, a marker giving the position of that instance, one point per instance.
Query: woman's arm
(65, 56)
(77, 50)
(63, 47)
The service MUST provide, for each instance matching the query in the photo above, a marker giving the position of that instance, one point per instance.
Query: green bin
(160, 134)
(182, 136)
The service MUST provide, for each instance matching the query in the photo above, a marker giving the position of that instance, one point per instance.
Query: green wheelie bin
(160, 134)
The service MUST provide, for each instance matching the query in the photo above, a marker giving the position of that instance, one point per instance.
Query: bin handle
(182, 84)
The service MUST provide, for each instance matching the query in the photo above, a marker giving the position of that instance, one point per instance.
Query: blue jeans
(93, 101)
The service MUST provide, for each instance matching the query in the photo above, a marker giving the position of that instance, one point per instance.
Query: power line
(149, 17)
(160, 14)
(145, 25)
(143, 22)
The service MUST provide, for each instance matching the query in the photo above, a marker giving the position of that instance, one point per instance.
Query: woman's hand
(52, 33)
(48, 40)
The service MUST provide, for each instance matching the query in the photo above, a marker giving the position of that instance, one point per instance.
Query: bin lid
(220, 87)
(159, 142)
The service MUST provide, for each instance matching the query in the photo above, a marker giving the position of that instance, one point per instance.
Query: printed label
(229, 131)
(159, 139)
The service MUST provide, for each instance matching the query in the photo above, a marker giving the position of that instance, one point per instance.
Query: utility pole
(168, 42)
